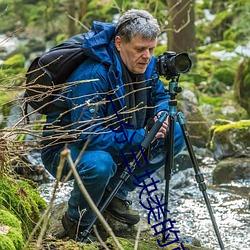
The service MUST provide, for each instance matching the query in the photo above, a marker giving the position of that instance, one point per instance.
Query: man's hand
(164, 128)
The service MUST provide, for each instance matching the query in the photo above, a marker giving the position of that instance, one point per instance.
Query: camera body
(171, 65)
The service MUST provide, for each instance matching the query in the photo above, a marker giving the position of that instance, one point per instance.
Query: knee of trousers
(98, 165)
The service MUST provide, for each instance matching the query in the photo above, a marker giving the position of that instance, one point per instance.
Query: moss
(219, 102)
(8, 219)
(229, 45)
(225, 75)
(236, 125)
(16, 237)
(220, 24)
(212, 100)
(13, 239)
(150, 243)
(13, 71)
(16, 61)
(22, 200)
(239, 128)
(6, 243)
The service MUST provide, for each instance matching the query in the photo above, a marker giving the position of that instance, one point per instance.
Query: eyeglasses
(124, 24)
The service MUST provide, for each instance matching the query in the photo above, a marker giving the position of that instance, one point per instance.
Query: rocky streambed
(230, 204)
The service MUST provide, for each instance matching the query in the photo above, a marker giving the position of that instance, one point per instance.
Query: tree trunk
(71, 6)
(83, 7)
(181, 27)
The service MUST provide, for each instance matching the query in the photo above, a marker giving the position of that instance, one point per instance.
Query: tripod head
(174, 89)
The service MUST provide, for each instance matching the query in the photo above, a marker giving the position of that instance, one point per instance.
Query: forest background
(214, 33)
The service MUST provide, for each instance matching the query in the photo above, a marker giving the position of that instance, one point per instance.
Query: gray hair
(137, 22)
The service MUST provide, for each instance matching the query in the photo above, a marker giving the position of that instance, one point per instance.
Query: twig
(77, 21)
(99, 238)
(66, 154)
(137, 236)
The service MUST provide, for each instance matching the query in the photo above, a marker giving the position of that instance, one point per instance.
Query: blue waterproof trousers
(99, 170)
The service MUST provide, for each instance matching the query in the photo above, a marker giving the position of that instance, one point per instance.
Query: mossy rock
(22, 200)
(11, 237)
(231, 139)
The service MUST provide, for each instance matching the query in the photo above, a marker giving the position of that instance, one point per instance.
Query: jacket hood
(98, 43)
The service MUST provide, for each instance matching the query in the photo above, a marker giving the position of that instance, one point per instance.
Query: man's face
(137, 53)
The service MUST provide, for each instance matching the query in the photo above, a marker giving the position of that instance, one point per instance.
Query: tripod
(173, 90)
(173, 114)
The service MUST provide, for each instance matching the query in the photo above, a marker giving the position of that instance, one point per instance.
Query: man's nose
(146, 54)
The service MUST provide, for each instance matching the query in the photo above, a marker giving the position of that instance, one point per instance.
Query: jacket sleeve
(87, 101)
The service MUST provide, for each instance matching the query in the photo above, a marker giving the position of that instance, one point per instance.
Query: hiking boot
(121, 211)
(75, 231)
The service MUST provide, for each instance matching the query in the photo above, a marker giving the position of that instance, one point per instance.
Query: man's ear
(118, 43)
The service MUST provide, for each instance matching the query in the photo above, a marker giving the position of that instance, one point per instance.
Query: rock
(232, 139)
(231, 169)
(197, 125)
(190, 96)
(181, 179)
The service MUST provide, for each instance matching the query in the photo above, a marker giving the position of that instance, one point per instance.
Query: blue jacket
(91, 114)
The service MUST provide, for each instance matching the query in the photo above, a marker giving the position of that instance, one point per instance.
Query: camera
(171, 65)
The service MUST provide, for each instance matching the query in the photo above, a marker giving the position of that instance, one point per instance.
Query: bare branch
(66, 154)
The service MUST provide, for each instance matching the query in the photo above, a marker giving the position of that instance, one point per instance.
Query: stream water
(230, 204)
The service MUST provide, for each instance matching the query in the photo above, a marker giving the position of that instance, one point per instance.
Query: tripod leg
(168, 166)
(124, 176)
(199, 176)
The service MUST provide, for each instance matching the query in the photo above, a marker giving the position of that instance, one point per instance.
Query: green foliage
(60, 38)
(216, 67)
(242, 84)
(224, 75)
(12, 67)
(219, 102)
(214, 101)
(17, 61)
(229, 23)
